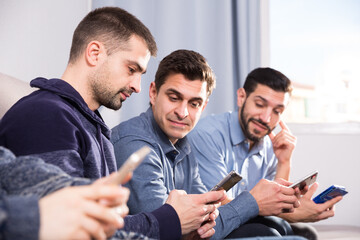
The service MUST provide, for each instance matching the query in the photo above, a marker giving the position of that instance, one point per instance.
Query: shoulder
(212, 126)
(41, 105)
(217, 122)
(40, 117)
(136, 128)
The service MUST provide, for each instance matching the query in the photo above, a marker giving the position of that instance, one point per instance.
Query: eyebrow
(171, 90)
(265, 100)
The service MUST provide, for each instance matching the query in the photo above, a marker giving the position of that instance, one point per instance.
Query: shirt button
(243, 183)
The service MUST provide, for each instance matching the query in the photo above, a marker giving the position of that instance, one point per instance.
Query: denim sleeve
(234, 214)
(147, 187)
(19, 217)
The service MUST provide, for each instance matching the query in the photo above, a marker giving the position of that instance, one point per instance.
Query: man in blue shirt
(240, 140)
(243, 141)
(179, 94)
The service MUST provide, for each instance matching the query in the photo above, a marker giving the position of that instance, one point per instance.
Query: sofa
(11, 90)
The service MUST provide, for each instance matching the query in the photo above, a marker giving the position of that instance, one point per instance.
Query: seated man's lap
(262, 226)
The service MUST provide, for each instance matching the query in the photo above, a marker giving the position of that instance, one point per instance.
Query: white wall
(35, 41)
(35, 36)
(336, 157)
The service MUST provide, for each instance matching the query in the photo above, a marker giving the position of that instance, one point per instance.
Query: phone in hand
(305, 181)
(228, 181)
(330, 193)
(130, 164)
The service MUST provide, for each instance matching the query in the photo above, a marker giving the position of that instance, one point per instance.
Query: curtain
(228, 33)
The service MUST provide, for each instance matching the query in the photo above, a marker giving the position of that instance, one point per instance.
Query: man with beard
(243, 141)
(183, 84)
(60, 122)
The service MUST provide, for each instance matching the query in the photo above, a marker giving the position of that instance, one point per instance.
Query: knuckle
(318, 211)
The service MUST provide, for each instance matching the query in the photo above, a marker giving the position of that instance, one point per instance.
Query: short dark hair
(268, 77)
(113, 27)
(189, 63)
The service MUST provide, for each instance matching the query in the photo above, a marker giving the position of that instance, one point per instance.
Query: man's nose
(135, 84)
(182, 110)
(265, 116)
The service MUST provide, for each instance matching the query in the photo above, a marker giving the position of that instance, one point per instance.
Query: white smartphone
(305, 181)
(130, 164)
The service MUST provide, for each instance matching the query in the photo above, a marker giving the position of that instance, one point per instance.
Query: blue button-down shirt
(220, 146)
(169, 167)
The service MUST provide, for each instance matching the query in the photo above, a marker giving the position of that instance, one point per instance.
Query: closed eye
(173, 99)
(132, 70)
(278, 111)
(195, 104)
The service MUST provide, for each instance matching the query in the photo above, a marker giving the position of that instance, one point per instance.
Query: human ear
(152, 93)
(241, 96)
(93, 52)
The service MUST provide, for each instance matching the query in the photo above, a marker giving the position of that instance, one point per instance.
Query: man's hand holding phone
(304, 183)
(196, 211)
(309, 211)
(273, 198)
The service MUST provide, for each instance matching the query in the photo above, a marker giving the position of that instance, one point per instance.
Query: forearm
(283, 170)
(289, 217)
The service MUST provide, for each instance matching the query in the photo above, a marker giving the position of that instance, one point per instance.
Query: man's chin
(178, 135)
(256, 137)
(114, 107)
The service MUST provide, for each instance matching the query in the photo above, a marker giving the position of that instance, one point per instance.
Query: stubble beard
(246, 129)
(102, 93)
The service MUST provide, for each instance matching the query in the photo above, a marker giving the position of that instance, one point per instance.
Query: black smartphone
(228, 181)
(305, 181)
(330, 193)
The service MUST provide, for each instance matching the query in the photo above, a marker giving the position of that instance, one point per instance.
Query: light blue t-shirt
(169, 167)
(219, 145)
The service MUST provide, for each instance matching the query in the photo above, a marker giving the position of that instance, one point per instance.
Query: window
(317, 45)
